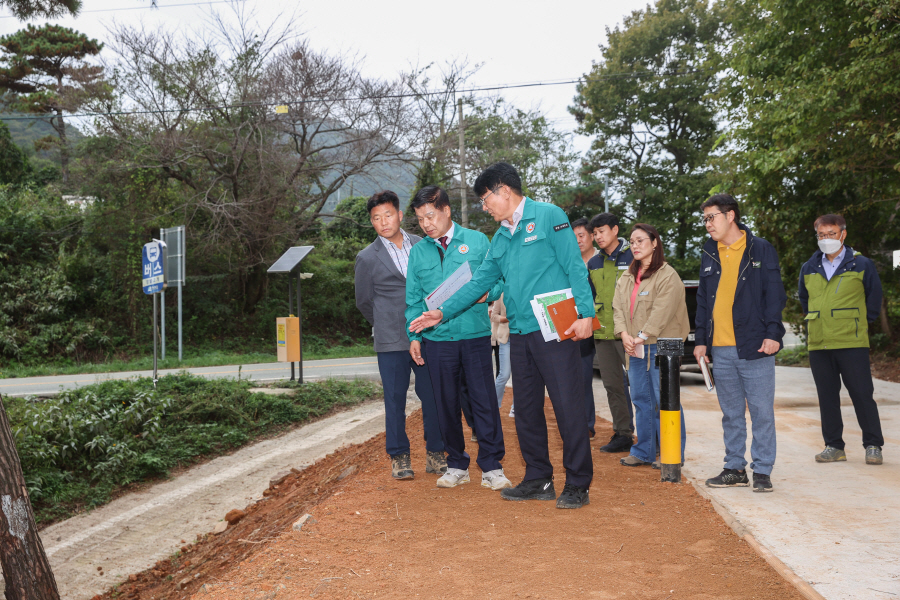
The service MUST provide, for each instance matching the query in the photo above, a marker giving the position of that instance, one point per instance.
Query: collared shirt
(831, 267)
(448, 235)
(723, 318)
(399, 255)
(517, 216)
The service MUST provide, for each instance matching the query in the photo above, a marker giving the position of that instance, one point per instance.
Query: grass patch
(798, 356)
(195, 358)
(81, 447)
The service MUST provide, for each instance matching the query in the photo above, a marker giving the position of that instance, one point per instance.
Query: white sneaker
(495, 480)
(512, 411)
(453, 478)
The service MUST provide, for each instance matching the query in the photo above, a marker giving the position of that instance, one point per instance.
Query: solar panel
(290, 259)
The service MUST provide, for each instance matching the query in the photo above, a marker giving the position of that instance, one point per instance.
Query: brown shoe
(436, 462)
(633, 461)
(401, 467)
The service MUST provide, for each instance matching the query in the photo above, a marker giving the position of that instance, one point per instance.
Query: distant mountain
(25, 131)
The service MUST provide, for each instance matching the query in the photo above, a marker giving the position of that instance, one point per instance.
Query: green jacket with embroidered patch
(541, 256)
(839, 310)
(426, 271)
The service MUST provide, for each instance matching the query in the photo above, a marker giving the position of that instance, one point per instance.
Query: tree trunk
(63, 146)
(26, 570)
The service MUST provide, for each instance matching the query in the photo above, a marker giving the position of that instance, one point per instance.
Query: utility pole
(606, 192)
(464, 205)
(26, 570)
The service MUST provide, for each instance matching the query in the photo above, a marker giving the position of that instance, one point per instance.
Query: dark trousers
(395, 368)
(448, 362)
(587, 368)
(829, 367)
(464, 403)
(557, 366)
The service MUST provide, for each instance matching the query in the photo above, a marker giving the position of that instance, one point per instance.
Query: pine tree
(45, 68)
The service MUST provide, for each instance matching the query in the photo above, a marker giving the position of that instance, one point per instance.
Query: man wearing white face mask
(841, 294)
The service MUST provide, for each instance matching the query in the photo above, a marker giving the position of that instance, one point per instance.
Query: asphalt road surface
(365, 367)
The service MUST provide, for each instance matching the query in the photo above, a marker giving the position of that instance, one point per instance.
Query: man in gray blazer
(380, 278)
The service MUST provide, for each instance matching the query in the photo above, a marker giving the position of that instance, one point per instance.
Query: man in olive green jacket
(458, 348)
(604, 271)
(840, 293)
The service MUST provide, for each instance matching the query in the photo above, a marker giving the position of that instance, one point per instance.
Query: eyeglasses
(639, 241)
(493, 191)
(709, 218)
(828, 236)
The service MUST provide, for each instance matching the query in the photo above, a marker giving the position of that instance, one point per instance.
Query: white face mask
(830, 246)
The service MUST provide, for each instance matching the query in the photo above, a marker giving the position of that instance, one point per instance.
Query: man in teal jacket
(534, 252)
(840, 293)
(458, 348)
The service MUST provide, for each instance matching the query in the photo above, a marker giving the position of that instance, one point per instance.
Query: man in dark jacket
(380, 281)
(739, 304)
(841, 294)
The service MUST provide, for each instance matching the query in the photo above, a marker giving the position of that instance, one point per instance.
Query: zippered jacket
(604, 272)
(427, 270)
(758, 300)
(838, 312)
(541, 256)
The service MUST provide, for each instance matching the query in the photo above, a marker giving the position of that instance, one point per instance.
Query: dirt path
(379, 538)
(92, 552)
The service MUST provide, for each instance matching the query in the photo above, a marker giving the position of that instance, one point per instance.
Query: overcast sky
(518, 42)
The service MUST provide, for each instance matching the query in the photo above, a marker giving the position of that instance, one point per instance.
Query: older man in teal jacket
(535, 252)
(458, 348)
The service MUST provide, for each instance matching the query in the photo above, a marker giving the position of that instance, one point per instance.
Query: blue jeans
(395, 369)
(644, 384)
(504, 374)
(742, 384)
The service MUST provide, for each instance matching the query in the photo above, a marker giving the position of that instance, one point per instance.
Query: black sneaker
(534, 489)
(618, 443)
(573, 497)
(729, 478)
(761, 483)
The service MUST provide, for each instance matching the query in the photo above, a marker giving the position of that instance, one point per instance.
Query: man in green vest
(456, 348)
(604, 270)
(534, 252)
(841, 294)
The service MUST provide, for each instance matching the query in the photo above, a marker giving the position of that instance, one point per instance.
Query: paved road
(833, 524)
(364, 366)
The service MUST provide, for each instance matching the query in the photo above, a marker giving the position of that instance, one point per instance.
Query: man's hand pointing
(428, 319)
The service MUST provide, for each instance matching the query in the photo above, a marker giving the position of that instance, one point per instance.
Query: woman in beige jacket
(648, 304)
(500, 333)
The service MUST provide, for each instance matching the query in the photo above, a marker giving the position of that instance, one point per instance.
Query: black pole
(300, 332)
(668, 358)
(290, 303)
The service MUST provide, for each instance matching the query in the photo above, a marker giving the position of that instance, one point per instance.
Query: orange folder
(563, 315)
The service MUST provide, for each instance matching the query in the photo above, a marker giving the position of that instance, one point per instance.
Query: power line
(492, 88)
(98, 10)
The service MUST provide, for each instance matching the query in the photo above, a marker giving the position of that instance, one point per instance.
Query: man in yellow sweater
(739, 304)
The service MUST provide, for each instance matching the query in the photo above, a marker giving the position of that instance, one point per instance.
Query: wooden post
(464, 205)
(26, 570)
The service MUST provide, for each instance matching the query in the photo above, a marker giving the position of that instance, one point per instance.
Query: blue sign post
(153, 272)
(153, 280)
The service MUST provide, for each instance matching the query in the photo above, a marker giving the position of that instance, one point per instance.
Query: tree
(45, 67)
(26, 570)
(14, 165)
(29, 9)
(249, 180)
(815, 99)
(649, 103)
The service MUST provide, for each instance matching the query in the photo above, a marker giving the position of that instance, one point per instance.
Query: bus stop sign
(153, 278)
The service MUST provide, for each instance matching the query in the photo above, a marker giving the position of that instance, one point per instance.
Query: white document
(451, 285)
(539, 305)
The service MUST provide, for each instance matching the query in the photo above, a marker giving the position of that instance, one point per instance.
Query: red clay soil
(375, 537)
